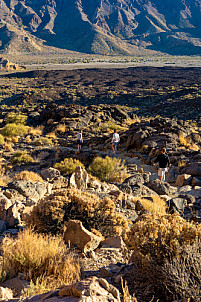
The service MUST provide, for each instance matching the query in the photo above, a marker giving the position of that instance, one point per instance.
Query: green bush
(111, 126)
(16, 118)
(68, 165)
(1, 139)
(21, 157)
(108, 169)
(11, 130)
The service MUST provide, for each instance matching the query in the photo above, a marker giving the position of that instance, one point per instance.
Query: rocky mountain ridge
(102, 26)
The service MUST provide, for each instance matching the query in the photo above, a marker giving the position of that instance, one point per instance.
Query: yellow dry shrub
(1, 139)
(157, 206)
(13, 129)
(158, 237)
(61, 128)
(41, 257)
(21, 157)
(126, 295)
(8, 147)
(4, 177)
(28, 175)
(17, 118)
(37, 131)
(52, 212)
(108, 169)
(68, 165)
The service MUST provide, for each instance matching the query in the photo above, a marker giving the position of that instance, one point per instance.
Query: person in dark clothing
(164, 163)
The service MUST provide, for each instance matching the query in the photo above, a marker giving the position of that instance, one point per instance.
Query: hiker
(164, 163)
(79, 141)
(115, 140)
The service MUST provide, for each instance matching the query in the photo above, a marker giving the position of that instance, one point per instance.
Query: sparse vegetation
(1, 139)
(41, 258)
(28, 175)
(22, 157)
(16, 118)
(68, 165)
(44, 141)
(108, 169)
(156, 206)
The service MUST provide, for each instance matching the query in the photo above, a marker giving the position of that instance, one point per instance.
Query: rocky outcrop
(5, 65)
(79, 178)
(89, 290)
(29, 189)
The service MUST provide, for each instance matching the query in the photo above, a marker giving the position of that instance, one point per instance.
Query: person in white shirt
(115, 140)
(79, 141)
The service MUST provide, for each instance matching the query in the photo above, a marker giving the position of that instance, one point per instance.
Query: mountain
(102, 26)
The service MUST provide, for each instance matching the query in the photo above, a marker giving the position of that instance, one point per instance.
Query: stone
(16, 285)
(95, 184)
(162, 188)
(2, 226)
(125, 188)
(114, 242)
(50, 173)
(137, 179)
(81, 237)
(196, 182)
(110, 270)
(60, 182)
(193, 169)
(5, 203)
(35, 190)
(183, 179)
(11, 216)
(79, 178)
(142, 190)
(5, 294)
(118, 194)
(177, 203)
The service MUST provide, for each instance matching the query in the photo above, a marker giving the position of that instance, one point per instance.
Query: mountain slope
(103, 26)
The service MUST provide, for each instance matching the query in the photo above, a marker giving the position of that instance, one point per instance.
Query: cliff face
(104, 26)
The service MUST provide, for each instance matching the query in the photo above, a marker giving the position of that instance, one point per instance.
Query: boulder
(11, 216)
(79, 178)
(81, 237)
(113, 242)
(5, 203)
(193, 169)
(35, 190)
(50, 173)
(141, 190)
(196, 181)
(177, 205)
(183, 180)
(162, 188)
(60, 182)
(136, 179)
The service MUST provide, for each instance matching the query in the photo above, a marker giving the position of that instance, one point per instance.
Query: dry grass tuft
(157, 206)
(61, 128)
(38, 131)
(126, 295)
(4, 177)
(28, 175)
(39, 257)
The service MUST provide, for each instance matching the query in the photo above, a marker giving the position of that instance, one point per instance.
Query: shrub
(68, 165)
(14, 130)
(4, 177)
(158, 237)
(21, 157)
(50, 214)
(38, 131)
(44, 141)
(28, 175)
(111, 126)
(39, 257)
(108, 169)
(16, 118)
(1, 139)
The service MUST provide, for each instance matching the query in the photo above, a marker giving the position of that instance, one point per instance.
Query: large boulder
(35, 190)
(162, 188)
(5, 294)
(79, 178)
(81, 237)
